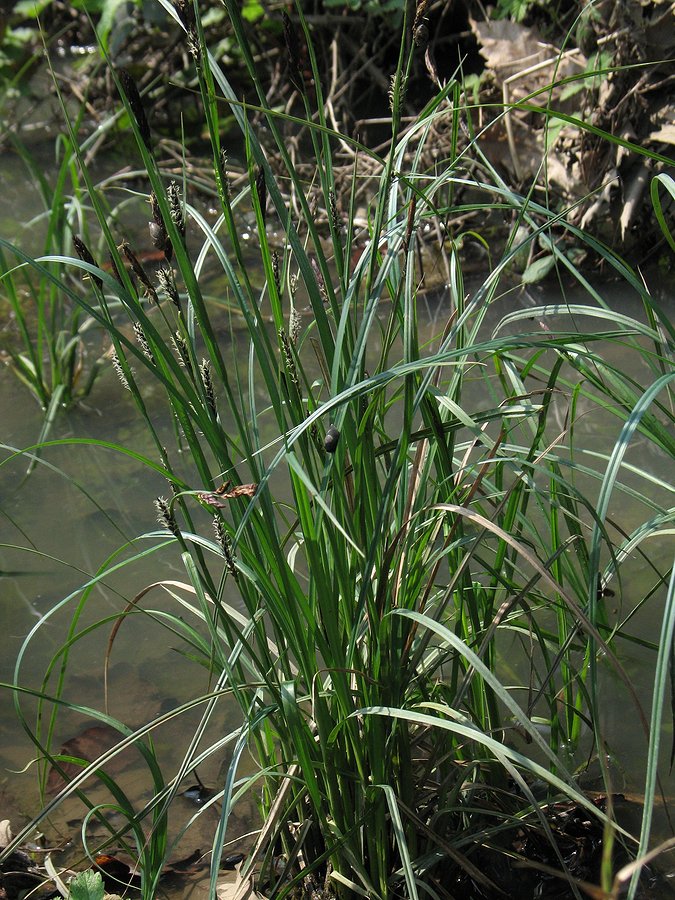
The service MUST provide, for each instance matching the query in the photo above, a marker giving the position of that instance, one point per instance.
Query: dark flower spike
(182, 351)
(420, 11)
(158, 233)
(334, 214)
(288, 359)
(207, 381)
(165, 516)
(134, 98)
(115, 271)
(139, 271)
(193, 45)
(186, 12)
(225, 542)
(319, 279)
(420, 29)
(261, 191)
(84, 254)
(294, 325)
(410, 224)
(421, 35)
(292, 53)
(176, 207)
(275, 272)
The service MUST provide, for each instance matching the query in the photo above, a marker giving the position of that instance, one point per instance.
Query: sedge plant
(51, 360)
(403, 584)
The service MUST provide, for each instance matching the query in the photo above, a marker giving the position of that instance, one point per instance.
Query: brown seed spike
(261, 191)
(113, 268)
(85, 256)
(139, 271)
(319, 280)
(186, 13)
(410, 224)
(134, 99)
(293, 53)
(420, 10)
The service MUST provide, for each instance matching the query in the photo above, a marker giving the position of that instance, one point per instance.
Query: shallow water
(82, 503)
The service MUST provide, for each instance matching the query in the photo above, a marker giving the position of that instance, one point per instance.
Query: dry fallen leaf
(224, 492)
(665, 135)
(237, 890)
(88, 746)
(5, 833)
(508, 47)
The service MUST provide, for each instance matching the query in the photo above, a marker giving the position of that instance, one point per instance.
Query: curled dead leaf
(224, 492)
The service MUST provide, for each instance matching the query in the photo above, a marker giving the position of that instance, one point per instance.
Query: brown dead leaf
(224, 492)
(89, 745)
(510, 48)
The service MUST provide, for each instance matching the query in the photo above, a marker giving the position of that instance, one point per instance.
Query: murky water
(82, 503)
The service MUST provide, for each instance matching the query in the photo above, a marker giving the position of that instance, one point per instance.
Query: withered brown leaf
(224, 492)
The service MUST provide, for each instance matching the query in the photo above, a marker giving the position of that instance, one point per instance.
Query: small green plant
(87, 885)
(48, 320)
(513, 9)
(402, 587)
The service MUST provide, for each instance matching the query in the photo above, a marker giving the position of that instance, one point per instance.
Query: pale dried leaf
(237, 890)
(5, 833)
(566, 179)
(430, 63)
(627, 133)
(58, 875)
(516, 53)
(665, 135)
(634, 187)
(600, 205)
